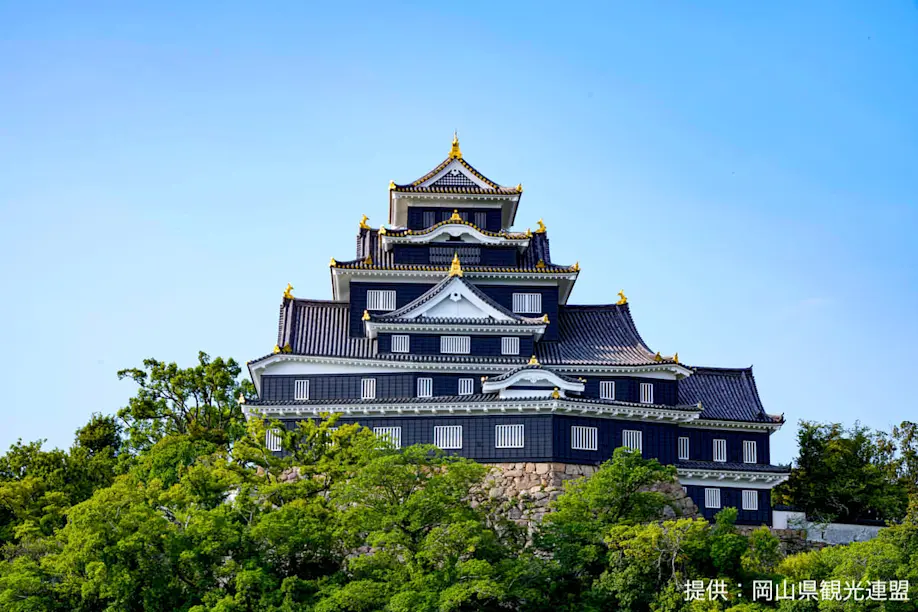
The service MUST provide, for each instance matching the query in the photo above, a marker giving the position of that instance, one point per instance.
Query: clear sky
(746, 172)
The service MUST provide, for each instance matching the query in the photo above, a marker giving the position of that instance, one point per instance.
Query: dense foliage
(178, 505)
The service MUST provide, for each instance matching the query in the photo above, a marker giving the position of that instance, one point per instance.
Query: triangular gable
(455, 173)
(453, 298)
(531, 380)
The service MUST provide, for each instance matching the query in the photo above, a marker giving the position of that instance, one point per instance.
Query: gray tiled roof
(733, 466)
(603, 335)
(726, 394)
(397, 315)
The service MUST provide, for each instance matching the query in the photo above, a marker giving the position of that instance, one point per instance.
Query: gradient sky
(746, 172)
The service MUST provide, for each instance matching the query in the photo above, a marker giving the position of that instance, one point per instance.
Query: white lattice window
(430, 217)
(607, 389)
(455, 345)
(750, 500)
(712, 498)
(425, 387)
(481, 220)
(510, 346)
(273, 440)
(684, 490)
(301, 389)
(368, 388)
(508, 436)
(466, 386)
(527, 303)
(749, 451)
(400, 343)
(720, 450)
(584, 438)
(632, 438)
(683, 448)
(392, 435)
(381, 299)
(646, 393)
(448, 437)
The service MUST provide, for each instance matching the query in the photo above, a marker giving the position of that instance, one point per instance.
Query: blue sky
(746, 172)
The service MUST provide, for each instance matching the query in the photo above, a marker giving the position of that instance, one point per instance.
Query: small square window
(632, 438)
(646, 393)
(481, 220)
(455, 345)
(584, 438)
(607, 389)
(712, 498)
(379, 299)
(400, 343)
(527, 303)
(393, 435)
(750, 500)
(466, 386)
(749, 451)
(683, 448)
(720, 450)
(448, 437)
(510, 346)
(301, 390)
(273, 440)
(430, 217)
(368, 388)
(425, 387)
(508, 436)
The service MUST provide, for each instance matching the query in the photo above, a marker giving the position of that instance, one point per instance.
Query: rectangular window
(584, 438)
(273, 440)
(368, 388)
(400, 343)
(631, 438)
(393, 435)
(646, 393)
(425, 387)
(527, 303)
(685, 490)
(481, 220)
(750, 500)
(455, 345)
(448, 437)
(466, 386)
(464, 216)
(430, 217)
(712, 498)
(468, 255)
(683, 448)
(301, 389)
(607, 389)
(720, 450)
(508, 436)
(380, 299)
(749, 454)
(510, 346)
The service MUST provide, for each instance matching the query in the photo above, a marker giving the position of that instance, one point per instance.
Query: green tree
(200, 401)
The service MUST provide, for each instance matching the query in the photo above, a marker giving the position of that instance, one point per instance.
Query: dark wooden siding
(404, 293)
(503, 295)
(480, 346)
(657, 440)
(701, 444)
(416, 216)
(348, 386)
(628, 388)
(733, 497)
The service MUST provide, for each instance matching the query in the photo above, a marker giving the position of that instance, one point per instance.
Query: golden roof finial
(391, 185)
(276, 349)
(533, 361)
(455, 268)
(455, 216)
(556, 394)
(288, 292)
(545, 319)
(541, 229)
(528, 233)
(368, 261)
(658, 357)
(676, 357)
(382, 231)
(576, 267)
(519, 188)
(287, 348)
(241, 399)
(366, 315)
(541, 263)
(454, 151)
(332, 263)
(363, 223)
(622, 300)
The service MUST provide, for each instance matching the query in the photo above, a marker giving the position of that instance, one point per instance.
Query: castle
(450, 328)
